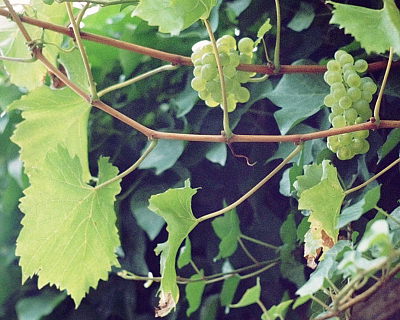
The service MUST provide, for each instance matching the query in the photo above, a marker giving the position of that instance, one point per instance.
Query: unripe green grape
(333, 65)
(204, 94)
(361, 134)
(345, 153)
(331, 116)
(346, 58)
(224, 59)
(365, 147)
(223, 48)
(228, 40)
(229, 71)
(333, 143)
(359, 120)
(198, 84)
(358, 145)
(197, 71)
(231, 103)
(242, 76)
(198, 62)
(230, 84)
(213, 85)
(347, 67)
(350, 115)
(366, 95)
(353, 80)
(339, 121)
(366, 114)
(337, 86)
(200, 46)
(361, 65)
(209, 58)
(245, 58)
(242, 95)
(348, 73)
(345, 102)
(329, 100)
(234, 59)
(339, 93)
(208, 72)
(339, 53)
(354, 94)
(211, 103)
(195, 56)
(361, 106)
(345, 139)
(366, 79)
(216, 95)
(331, 77)
(369, 86)
(246, 45)
(337, 110)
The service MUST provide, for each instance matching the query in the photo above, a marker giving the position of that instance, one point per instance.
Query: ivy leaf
(173, 16)
(174, 205)
(266, 26)
(13, 44)
(354, 212)
(324, 201)
(185, 255)
(300, 95)
(377, 236)
(69, 236)
(303, 17)
(229, 289)
(252, 295)
(376, 30)
(228, 230)
(194, 292)
(52, 117)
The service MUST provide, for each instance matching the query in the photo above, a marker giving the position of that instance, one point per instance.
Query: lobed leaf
(69, 235)
(251, 296)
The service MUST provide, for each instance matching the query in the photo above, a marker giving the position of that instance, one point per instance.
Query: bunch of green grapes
(349, 99)
(206, 79)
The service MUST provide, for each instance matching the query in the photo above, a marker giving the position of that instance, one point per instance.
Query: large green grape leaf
(69, 235)
(13, 44)
(174, 205)
(376, 30)
(173, 16)
(52, 117)
(324, 200)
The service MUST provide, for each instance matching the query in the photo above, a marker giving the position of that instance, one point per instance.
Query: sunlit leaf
(277, 311)
(265, 27)
(392, 140)
(252, 295)
(194, 292)
(69, 235)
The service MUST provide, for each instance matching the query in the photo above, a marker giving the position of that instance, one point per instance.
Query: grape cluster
(206, 79)
(349, 99)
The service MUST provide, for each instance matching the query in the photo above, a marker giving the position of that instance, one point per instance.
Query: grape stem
(227, 130)
(277, 50)
(380, 95)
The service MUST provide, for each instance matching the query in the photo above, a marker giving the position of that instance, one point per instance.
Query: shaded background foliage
(167, 102)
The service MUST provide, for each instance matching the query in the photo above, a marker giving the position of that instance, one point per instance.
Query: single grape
(234, 59)
(348, 73)
(231, 101)
(211, 103)
(195, 56)
(337, 86)
(358, 145)
(228, 40)
(361, 65)
(346, 58)
(329, 100)
(339, 121)
(198, 84)
(353, 80)
(197, 71)
(331, 116)
(361, 134)
(223, 48)
(348, 67)
(204, 94)
(337, 110)
(345, 139)
(350, 115)
(334, 65)
(366, 95)
(339, 92)
(354, 94)
(224, 58)
(209, 58)
(229, 71)
(365, 147)
(339, 53)
(333, 143)
(242, 95)
(345, 102)
(216, 95)
(331, 77)
(246, 45)
(361, 106)
(245, 58)
(369, 86)
(198, 62)
(208, 72)
(242, 76)
(359, 120)
(345, 153)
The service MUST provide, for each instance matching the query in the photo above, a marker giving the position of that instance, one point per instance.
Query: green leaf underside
(303, 17)
(229, 289)
(185, 255)
(30, 75)
(194, 292)
(391, 142)
(299, 95)
(251, 296)
(228, 230)
(376, 30)
(174, 205)
(355, 211)
(173, 16)
(52, 117)
(69, 235)
(324, 200)
(278, 311)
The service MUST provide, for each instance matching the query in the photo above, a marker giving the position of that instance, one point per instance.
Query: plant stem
(195, 268)
(227, 130)
(252, 274)
(246, 251)
(78, 39)
(380, 95)
(81, 13)
(261, 243)
(397, 221)
(320, 302)
(260, 79)
(254, 189)
(263, 308)
(362, 185)
(23, 60)
(278, 37)
(102, 2)
(150, 148)
(136, 79)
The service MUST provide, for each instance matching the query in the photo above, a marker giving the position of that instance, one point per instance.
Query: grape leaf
(52, 117)
(376, 30)
(228, 230)
(174, 205)
(355, 211)
(229, 289)
(173, 16)
(69, 236)
(303, 17)
(194, 292)
(393, 139)
(324, 201)
(252, 295)
(13, 44)
(300, 95)
(266, 26)
(277, 311)
(185, 254)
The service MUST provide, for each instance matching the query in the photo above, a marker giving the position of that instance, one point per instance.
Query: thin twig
(277, 50)
(246, 251)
